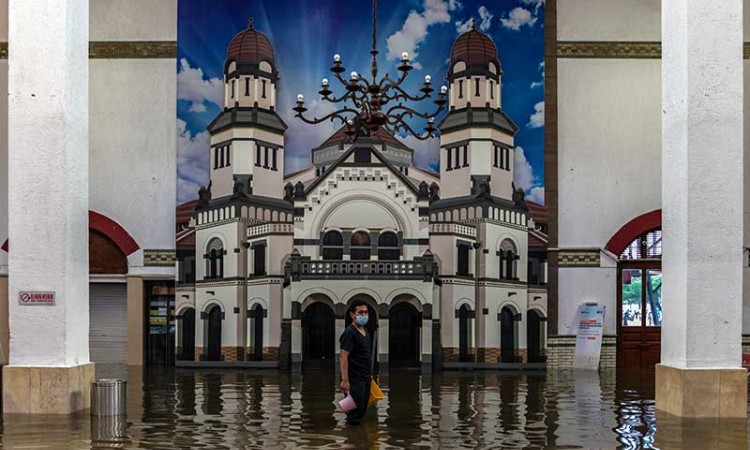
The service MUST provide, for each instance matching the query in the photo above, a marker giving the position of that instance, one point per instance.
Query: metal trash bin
(108, 397)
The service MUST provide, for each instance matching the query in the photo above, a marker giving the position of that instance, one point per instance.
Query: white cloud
(535, 3)
(192, 162)
(525, 178)
(193, 87)
(536, 194)
(517, 18)
(463, 27)
(537, 84)
(426, 153)
(486, 17)
(536, 120)
(415, 28)
(523, 173)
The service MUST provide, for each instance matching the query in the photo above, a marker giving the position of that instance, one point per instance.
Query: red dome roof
(250, 47)
(475, 49)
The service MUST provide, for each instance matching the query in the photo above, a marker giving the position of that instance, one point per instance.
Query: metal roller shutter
(108, 330)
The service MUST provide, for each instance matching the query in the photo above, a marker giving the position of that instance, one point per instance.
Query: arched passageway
(507, 336)
(404, 327)
(213, 350)
(534, 336)
(187, 335)
(257, 314)
(318, 335)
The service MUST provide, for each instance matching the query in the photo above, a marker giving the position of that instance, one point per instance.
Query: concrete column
(702, 148)
(4, 330)
(137, 321)
(383, 332)
(48, 114)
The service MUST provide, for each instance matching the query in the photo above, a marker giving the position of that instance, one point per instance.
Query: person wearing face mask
(354, 361)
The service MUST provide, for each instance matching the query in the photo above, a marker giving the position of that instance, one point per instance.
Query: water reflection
(245, 409)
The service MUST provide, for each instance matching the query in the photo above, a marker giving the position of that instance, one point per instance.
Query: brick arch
(631, 230)
(109, 228)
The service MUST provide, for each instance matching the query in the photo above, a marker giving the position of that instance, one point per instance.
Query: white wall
(600, 20)
(609, 152)
(133, 147)
(582, 285)
(3, 148)
(131, 20)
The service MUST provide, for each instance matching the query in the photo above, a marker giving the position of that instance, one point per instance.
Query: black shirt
(358, 347)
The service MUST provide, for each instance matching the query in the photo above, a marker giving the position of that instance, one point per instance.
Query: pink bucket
(347, 404)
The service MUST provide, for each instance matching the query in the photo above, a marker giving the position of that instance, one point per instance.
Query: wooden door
(639, 315)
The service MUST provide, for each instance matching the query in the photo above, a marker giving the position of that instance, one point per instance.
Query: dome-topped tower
(474, 71)
(477, 51)
(247, 136)
(476, 136)
(250, 72)
(249, 50)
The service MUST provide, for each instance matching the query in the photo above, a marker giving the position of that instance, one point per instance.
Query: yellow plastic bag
(375, 393)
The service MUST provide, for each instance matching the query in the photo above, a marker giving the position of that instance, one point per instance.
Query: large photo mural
(323, 143)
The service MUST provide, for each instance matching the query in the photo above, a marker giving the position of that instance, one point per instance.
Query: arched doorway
(257, 314)
(187, 335)
(213, 350)
(319, 334)
(404, 327)
(534, 336)
(464, 314)
(507, 335)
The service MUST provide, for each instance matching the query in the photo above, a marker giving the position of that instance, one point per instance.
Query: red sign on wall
(36, 298)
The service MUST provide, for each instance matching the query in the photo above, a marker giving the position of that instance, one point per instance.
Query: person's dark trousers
(360, 392)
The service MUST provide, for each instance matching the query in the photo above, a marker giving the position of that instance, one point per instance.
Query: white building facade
(440, 260)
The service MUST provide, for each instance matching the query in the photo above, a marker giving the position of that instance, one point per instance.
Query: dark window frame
(463, 258)
(259, 259)
(389, 251)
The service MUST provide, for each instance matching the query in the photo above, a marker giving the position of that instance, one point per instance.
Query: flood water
(205, 409)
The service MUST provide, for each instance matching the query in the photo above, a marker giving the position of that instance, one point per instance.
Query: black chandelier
(368, 105)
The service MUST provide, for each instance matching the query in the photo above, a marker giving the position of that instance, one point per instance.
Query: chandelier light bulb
(300, 98)
(325, 81)
(336, 58)
(354, 75)
(405, 56)
(350, 122)
(427, 79)
(443, 89)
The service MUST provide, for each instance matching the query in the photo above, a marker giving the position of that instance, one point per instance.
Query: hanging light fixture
(368, 105)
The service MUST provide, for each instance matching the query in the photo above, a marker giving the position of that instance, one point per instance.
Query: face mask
(361, 320)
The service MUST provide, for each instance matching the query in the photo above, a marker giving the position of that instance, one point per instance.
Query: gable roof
(372, 151)
(381, 136)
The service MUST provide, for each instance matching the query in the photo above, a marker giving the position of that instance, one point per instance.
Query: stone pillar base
(701, 392)
(47, 390)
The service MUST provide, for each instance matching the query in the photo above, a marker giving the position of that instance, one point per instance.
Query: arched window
(508, 256)
(215, 259)
(645, 246)
(388, 248)
(360, 246)
(333, 246)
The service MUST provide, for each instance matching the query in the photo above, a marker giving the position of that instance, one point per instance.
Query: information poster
(590, 328)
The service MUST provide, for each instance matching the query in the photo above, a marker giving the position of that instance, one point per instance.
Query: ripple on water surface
(203, 409)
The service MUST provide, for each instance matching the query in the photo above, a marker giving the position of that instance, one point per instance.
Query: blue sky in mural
(306, 34)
